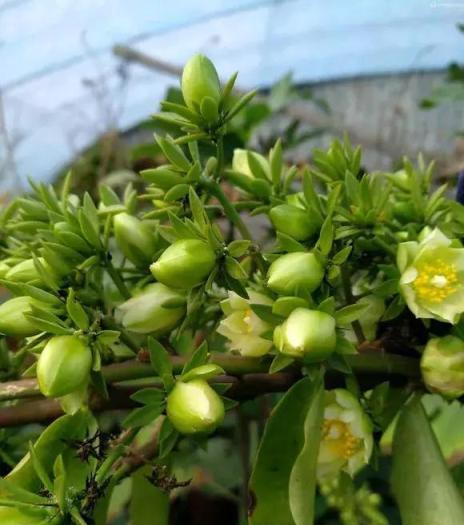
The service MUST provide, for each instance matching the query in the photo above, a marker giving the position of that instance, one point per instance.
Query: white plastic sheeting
(61, 85)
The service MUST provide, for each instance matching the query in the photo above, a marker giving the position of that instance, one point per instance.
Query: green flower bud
(200, 80)
(442, 366)
(135, 238)
(400, 179)
(194, 407)
(308, 333)
(404, 211)
(63, 366)
(295, 272)
(296, 199)
(26, 272)
(293, 221)
(145, 313)
(184, 264)
(13, 322)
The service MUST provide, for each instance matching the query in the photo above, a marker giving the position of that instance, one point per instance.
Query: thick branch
(375, 363)
(248, 378)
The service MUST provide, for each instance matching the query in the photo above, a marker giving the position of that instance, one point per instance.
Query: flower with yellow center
(432, 277)
(243, 327)
(346, 440)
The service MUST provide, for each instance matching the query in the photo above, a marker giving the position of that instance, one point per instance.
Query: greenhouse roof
(62, 85)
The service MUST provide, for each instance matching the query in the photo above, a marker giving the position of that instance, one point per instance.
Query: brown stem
(370, 368)
(378, 364)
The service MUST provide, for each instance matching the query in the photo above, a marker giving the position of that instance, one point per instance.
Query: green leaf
(148, 396)
(394, 309)
(350, 313)
(326, 237)
(227, 89)
(284, 306)
(424, 489)
(196, 207)
(177, 192)
(205, 372)
(283, 481)
(90, 229)
(76, 312)
(167, 438)
(31, 291)
(59, 482)
(45, 275)
(255, 166)
(280, 362)
(173, 153)
(143, 416)
(51, 443)
(209, 109)
(238, 247)
(265, 312)
(40, 470)
(234, 269)
(49, 326)
(161, 362)
(275, 161)
(200, 357)
(288, 244)
(149, 505)
(108, 337)
(240, 104)
(341, 256)
(181, 229)
(15, 492)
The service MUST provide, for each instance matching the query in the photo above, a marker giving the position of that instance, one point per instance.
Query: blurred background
(79, 80)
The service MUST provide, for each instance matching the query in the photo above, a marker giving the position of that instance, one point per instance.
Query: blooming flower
(243, 327)
(432, 280)
(346, 442)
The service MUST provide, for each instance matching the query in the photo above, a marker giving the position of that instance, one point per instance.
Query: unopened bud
(185, 264)
(26, 272)
(295, 272)
(194, 407)
(442, 366)
(200, 80)
(145, 313)
(306, 333)
(135, 238)
(293, 221)
(63, 366)
(13, 321)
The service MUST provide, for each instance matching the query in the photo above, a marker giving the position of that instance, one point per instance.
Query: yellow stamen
(247, 317)
(436, 281)
(338, 435)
